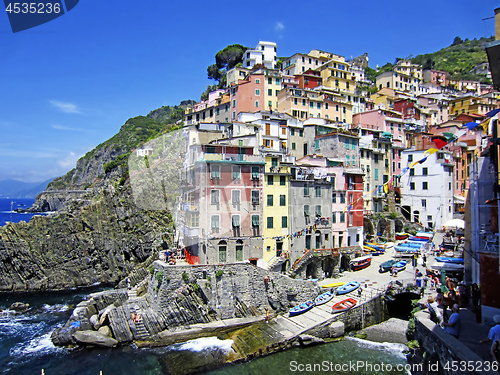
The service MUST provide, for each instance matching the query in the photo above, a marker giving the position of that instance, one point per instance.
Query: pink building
(248, 95)
(438, 77)
(384, 120)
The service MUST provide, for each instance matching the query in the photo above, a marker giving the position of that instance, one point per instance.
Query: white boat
(447, 266)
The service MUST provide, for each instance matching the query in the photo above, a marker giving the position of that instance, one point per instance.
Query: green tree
(457, 40)
(226, 59)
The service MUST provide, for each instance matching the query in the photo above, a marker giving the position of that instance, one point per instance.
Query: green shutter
(236, 221)
(255, 220)
(284, 222)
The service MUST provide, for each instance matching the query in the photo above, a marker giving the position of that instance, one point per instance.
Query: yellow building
(337, 75)
(272, 84)
(471, 105)
(276, 216)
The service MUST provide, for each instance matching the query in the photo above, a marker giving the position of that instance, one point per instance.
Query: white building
(264, 53)
(427, 189)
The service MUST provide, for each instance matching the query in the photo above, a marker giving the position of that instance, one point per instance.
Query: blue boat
(401, 265)
(412, 244)
(302, 308)
(386, 266)
(420, 239)
(324, 298)
(348, 288)
(450, 260)
(406, 250)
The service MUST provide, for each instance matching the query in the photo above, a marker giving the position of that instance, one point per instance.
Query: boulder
(94, 338)
(308, 340)
(105, 313)
(337, 329)
(94, 320)
(19, 306)
(105, 330)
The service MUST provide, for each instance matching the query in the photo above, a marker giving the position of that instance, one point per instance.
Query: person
(128, 283)
(494, 336)
(452, 326)
(424, 260)
(267, 315)
(360, 291)
(434, 312)
(439, 297)
(394, 271)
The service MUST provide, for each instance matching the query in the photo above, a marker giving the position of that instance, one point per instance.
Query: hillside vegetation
(457, 59)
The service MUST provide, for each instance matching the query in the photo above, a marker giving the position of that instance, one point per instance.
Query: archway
(406, 211)
(381, 227)
(368, 226)
(398, 225)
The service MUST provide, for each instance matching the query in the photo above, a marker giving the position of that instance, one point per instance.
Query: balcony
(191, 232)
(187, 206)
(240, 158)
(278, 169)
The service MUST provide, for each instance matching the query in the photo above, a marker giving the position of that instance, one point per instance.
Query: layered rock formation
(179, 299)
(100, 241)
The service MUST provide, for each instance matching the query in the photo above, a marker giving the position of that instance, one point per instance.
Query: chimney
(497, 23)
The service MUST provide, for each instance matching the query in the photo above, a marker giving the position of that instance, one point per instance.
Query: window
(277, 79)
(412, 172)
(317, 210)
(306, 210)
(255, 197)
(270, 81)
(257, 80)
(410, 158)
(270, 180)
(214, 196)
(334, 217)
(342, 217)
(236, 196)
(222, 253)
(316, 144)
(347, 143)
(235, 219)
(342, 197)
(293, 146)
(270, 199)
(449, 185)
(306, 190)
(282, 200)
(284, 222)
(351, 197)
(239, 253)
(424, 203)
(326, 105)
(424, 185)
(361, 154)
(215, 223)
(375, 158)
(412, 186)
(236, 172)
(215, 172)
(425, 171)
(334, 197)
(270, 222)
(350, 219)
(318, 191)
(270, 92)
(353, 143)
(234, 103)
(255, 173)
(255, 221)
(257, 103)
(376, 173)
(292, 131)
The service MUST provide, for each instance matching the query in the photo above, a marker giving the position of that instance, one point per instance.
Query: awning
(459, 199)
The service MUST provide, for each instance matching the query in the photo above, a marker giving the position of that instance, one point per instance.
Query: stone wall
(373, 311)
(442, 348)
(239, 290)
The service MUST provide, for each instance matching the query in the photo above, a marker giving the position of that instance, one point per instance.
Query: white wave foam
(205, 343)
(39, 345)
(59, 307)
(388, 347)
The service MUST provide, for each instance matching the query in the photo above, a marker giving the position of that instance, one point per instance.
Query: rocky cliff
(97, 240)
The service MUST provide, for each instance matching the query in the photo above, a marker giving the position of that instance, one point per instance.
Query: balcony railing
(203, 156)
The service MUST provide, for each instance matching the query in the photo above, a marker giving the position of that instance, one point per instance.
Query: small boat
(448, 266)
(448, 254)
(348, 288)
(302, 308)
(450, 260)
(324, 298)
(333, 285)
(344, 305)
(386, 266)
(418, 238)
(429, 235)
(389, 245)
(360, 263)
(402, 236)
(401, 265)
(375, 246)
(377, 253)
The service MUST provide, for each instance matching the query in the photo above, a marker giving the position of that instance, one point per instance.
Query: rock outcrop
(183, 301)
(98, 242)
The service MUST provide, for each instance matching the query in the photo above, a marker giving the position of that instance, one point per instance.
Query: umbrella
(455, 223)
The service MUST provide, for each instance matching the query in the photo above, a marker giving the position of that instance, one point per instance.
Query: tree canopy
(227, 58)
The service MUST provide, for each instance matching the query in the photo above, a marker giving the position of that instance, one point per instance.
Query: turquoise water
(351, 356)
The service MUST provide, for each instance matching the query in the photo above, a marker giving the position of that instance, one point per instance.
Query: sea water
(8, 213)
(26, 348)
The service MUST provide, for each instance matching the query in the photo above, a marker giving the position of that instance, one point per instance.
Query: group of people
(452, 324)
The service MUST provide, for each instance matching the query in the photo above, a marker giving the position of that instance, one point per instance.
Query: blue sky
(69, 84)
